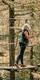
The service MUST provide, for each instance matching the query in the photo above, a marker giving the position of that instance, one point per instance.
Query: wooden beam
(11, 40)
(12, 35)
(17, 68)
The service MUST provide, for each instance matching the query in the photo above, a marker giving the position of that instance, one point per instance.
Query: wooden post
(12, 35)
(31, 62)
(11, 40)
(31, 56)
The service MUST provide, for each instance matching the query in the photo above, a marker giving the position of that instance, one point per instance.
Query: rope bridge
(30, 67)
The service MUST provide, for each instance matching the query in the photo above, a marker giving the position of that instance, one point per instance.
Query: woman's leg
(22, 53)
(20, 56)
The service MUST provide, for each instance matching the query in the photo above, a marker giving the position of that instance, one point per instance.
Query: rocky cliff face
(23, 9)
(29, 9)
(4, 31)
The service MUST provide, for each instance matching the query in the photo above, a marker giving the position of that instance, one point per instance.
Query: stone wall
(4, 31)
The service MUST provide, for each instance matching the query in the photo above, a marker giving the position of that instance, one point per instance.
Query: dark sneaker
(22, 65)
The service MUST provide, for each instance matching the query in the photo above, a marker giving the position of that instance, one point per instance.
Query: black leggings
(20, 56)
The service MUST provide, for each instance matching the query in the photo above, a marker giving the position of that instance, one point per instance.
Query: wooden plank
(16, 68)
(8, 68)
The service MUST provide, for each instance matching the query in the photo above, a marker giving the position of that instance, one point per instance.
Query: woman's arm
(27, 36)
